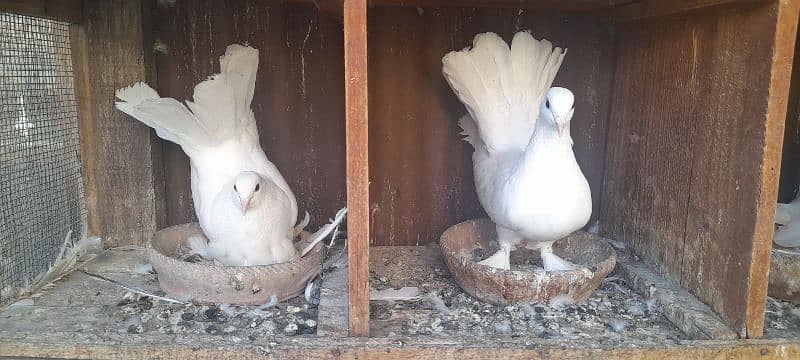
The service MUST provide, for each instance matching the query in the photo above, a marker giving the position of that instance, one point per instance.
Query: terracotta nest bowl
(506, 287)
(241, 285)
(784, 274)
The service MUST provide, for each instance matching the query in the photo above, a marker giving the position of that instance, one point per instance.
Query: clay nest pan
(206, 283)
(524, 283)
(784, 274)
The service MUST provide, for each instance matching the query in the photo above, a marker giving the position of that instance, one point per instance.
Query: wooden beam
(574, 5)
(356, 90)
(777, 102)
(63, 10)
(78, 345)
(655, 8)
(681, 308)
(83, 101)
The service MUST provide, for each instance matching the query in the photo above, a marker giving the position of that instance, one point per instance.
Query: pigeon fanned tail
(502, 87)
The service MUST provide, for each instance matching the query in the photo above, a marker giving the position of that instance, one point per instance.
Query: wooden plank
(692, 162)
(75, 345)
(332, 321)
(298, 101)
(83, 103)
(779, 79)
(681, 308)
(645, 9)
(572, 5)
(358, 224)
(63, 10)
(119, 167)
(420, 169)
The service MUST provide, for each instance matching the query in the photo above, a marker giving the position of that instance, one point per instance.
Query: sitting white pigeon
(243, 204)
(525, 172)
(787, 216)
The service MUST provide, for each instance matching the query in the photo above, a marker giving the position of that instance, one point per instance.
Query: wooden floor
(75, 320)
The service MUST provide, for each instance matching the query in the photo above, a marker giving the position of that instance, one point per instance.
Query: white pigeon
(244, 205)
(788, 217)
(525, 172)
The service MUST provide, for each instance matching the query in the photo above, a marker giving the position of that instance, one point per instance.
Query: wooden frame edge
(646, 9)
(777, 103)
(357, 150)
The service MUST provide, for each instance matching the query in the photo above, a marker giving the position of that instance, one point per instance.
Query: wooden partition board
(358, 230)
(299, 97)
(121, 158)
(694, 149)
(420, 169)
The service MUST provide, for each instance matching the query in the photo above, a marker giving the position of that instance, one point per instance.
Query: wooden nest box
(678, 126)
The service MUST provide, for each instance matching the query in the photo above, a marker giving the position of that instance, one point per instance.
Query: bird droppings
(782, 319)
(612, 315)
(142, 315)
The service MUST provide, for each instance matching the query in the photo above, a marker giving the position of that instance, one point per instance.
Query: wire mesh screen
(41, 191)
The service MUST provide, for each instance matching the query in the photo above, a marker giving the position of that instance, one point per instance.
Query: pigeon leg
(502, 258)
(551, 261)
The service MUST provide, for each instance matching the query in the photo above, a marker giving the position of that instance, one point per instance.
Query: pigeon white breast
(244, 205)
(526, 175)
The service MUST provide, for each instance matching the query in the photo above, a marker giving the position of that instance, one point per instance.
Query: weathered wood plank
(358, 224)
(16, 344)
(640, 10)
(63, 10)
(119, 165)
(332, 317)
(571, 5)
(681, 308)
(783, 39)
(421, 170)
(691, 169)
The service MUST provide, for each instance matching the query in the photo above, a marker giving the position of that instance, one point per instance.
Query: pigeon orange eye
(258, 186)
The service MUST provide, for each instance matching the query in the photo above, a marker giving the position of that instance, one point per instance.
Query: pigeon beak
(560, 126)
(245, 205)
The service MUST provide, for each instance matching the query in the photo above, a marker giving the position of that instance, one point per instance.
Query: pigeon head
(557, 108)
(247, 186)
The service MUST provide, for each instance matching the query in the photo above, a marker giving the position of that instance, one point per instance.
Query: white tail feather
(502, 87)
(220, 110)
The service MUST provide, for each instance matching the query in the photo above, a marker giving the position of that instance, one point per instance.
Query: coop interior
(678, 128)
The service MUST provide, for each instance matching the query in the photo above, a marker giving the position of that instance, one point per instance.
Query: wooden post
(355, 72)
(775, 118)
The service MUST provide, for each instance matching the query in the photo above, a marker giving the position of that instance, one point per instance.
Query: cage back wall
(678, 129)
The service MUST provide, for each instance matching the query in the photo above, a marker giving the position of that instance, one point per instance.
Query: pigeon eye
(234, 188)
(258, 186)
(547, 104)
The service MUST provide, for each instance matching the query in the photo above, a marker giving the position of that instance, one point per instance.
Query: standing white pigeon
(526, 175)
(244, 205)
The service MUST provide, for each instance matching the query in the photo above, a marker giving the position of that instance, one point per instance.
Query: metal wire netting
(41, 190)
